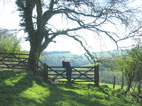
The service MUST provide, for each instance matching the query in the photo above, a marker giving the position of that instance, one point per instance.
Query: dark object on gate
(68, 68)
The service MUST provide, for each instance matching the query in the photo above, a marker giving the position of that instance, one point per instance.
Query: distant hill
(55, 52)
(109, 53)
(54, 57)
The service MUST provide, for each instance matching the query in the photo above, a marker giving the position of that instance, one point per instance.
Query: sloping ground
(22, 89)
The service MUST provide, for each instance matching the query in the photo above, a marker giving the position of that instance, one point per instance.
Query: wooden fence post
(114, 82)
(122, 84)
(96, 75)
(45, 72)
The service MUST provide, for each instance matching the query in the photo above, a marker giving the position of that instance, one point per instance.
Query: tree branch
(55, 34)
(132, 34)
(81, 43)
(49, 13)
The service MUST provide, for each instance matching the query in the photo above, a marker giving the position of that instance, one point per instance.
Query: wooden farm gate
(14, 61)
(79, 74)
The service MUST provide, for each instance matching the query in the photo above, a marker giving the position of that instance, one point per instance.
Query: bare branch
(49, 13)
(132, 34)
(81, 43)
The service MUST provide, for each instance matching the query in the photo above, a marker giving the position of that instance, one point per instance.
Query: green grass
(22, 89)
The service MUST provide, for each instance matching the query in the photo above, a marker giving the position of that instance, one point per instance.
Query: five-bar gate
(14, 61)
(79, 74)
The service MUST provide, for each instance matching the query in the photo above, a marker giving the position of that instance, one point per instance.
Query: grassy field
(22, 89)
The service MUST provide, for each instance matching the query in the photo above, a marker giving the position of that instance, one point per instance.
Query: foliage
(136, 54)
(22, 89)
(10, 45)
(129, 64)
(9, 42)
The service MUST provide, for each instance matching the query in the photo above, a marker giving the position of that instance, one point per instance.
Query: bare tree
(37, 17)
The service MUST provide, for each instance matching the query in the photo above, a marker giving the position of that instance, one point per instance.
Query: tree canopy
(38, 17)
(129, 64)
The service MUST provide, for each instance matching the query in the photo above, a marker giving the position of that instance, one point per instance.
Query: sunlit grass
(13, 80)
(36, 92)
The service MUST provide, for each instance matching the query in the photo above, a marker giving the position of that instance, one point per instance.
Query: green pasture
(22, 89)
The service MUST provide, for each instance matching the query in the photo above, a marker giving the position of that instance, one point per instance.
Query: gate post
(96, 74)
(114, 82)
(122, 84)
(45, 76)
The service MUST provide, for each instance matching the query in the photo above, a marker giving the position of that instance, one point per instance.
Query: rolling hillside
(55, 57)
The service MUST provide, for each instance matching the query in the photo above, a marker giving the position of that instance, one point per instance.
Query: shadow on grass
(10, 91)
(60, 95)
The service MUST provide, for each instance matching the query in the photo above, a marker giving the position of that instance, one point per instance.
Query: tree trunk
(33, 57)
(139, 87)
(128, 86)
(122, 84)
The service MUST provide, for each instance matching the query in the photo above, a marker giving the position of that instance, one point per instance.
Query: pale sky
(9, 19)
